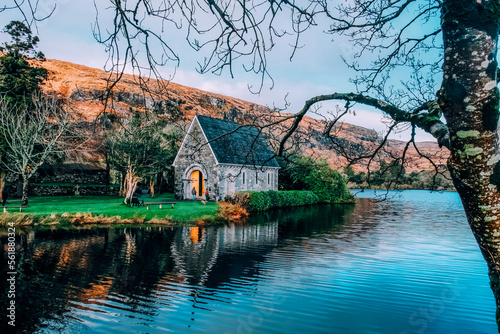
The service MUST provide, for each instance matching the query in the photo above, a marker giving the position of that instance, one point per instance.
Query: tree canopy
(32, 135)
(139, 150)
(306, 173)
(19, 80)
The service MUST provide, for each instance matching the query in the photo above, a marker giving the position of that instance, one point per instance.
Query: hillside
(84, 88)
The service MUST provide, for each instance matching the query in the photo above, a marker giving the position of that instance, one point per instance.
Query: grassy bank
(102, 209)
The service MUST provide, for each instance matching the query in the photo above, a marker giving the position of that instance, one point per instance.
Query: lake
(408, 264)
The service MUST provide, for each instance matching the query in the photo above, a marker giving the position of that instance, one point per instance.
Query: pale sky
(316, 68)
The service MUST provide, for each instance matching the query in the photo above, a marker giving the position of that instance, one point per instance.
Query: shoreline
(88, 219)
(105, 210)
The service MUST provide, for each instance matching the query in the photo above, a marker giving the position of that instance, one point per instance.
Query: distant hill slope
(84, 88)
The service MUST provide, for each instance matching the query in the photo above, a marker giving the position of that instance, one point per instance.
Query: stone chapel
(222, 155)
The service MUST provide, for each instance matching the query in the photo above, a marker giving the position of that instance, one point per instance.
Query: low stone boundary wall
(66, 190)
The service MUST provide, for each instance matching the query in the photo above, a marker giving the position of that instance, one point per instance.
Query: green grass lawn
(113, 206)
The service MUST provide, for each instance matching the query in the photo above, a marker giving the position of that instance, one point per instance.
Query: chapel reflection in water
(140, 269)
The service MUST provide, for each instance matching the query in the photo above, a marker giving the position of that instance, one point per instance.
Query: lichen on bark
(469, 99)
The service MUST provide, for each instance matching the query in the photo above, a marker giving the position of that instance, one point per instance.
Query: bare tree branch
(429, 121)
(32, 136)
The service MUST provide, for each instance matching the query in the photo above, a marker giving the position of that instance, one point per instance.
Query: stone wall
(77, 178)
(64, 190)
(234, 178)
(71, 173)
(62, 180)
(53, 190)
(194, 154)
(67, 173)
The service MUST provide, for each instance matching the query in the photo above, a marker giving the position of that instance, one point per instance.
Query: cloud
(315, 69)
(296, 94)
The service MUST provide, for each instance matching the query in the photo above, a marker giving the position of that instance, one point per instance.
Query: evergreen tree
(19, 80)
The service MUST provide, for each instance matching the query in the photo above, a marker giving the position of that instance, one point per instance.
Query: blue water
(408, 264)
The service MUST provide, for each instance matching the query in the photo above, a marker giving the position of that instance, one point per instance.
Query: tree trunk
(159, 181)
(24, 199)
(2, 184)
(107, 178)
(469, 98)
(131, 180)
(152, 187)
(122, 191)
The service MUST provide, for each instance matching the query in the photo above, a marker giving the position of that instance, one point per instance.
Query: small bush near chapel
(314, 182)
(265, 200)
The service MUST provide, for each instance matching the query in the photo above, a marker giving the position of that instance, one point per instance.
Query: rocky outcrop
(85, 90)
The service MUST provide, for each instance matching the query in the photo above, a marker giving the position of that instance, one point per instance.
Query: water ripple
(378, 268)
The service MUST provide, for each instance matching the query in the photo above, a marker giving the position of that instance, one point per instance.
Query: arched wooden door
(197, 182)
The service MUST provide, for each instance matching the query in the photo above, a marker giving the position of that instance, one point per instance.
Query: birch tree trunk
(123, 184)
(24, 198)
(152, 187)
(469, 98)
(131, 180)
(3, 175)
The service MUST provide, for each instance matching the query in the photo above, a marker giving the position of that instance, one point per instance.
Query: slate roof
(237, 144)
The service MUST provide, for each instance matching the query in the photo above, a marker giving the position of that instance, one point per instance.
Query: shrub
(275, 200)
(287, 198)
(231, 212)
(264, 200)
(300, 197)
(317, 176)
(241, 198)
(259, 201)
(309, 197)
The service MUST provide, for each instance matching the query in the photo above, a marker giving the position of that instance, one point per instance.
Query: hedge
(265, 200)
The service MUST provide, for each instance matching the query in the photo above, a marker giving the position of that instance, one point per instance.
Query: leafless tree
(32, 136)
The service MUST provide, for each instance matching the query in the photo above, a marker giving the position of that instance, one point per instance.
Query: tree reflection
(140, 270)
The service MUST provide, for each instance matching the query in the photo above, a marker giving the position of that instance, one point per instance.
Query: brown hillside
(84, 88)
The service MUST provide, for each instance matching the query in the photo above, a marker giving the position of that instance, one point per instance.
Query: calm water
(405, 265)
